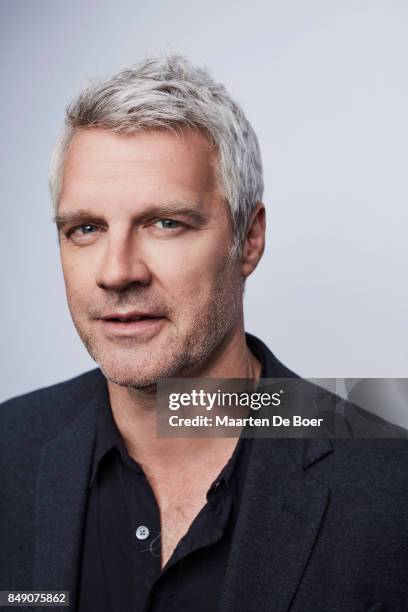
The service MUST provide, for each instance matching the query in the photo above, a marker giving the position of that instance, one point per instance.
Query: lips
(127, 319)
(130, 316)
(135, 324)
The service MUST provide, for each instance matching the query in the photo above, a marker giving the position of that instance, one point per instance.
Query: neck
(134, 410)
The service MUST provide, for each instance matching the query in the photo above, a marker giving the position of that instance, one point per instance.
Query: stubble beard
(183, 354)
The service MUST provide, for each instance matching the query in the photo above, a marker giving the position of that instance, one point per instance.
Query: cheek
(198, 294)
(188, 275)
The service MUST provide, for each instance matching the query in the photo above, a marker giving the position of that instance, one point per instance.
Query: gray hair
(171, 94)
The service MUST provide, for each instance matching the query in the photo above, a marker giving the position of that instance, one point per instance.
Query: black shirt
(121, 555)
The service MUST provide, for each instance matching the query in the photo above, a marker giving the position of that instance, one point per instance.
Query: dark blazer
(322, 527)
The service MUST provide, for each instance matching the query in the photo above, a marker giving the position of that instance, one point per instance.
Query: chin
(127, 375)
(137, 372)
(130, 381)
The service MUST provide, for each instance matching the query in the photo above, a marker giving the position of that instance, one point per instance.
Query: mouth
(129, 319)
(132, 324)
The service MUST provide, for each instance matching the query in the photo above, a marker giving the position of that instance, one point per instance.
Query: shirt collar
(107, 436)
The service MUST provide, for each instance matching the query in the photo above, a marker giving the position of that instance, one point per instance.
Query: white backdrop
(325, 85)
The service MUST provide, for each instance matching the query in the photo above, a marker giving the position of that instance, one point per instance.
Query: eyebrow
(163, 210)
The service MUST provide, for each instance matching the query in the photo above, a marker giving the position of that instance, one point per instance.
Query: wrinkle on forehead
(140, 169)
(110, 153)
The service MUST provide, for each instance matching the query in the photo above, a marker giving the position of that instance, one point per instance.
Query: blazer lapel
(279, 519)
(61, 495)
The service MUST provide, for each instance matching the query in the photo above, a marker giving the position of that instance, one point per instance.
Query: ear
(254, 244)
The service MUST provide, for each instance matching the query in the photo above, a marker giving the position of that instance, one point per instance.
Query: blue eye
(86, 229)
(169, 223)
(79, 233)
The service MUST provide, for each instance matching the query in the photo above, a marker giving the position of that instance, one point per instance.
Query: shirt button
(142, 532)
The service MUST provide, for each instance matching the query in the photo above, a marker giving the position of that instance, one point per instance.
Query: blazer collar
(280, 515)
(281, 512)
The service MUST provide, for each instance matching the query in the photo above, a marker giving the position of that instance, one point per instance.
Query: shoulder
(365, 474)
(40, 413)
(367, 459)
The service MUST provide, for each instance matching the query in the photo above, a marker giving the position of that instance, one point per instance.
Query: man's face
(145, 239)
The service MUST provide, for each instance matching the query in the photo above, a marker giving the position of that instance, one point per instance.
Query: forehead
(100, 162)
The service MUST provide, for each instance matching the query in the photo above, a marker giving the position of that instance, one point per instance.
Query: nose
(122, 263)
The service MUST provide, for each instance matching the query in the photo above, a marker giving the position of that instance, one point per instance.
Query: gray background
(325, 86)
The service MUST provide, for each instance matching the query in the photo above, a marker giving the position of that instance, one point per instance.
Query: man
(157, 188)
